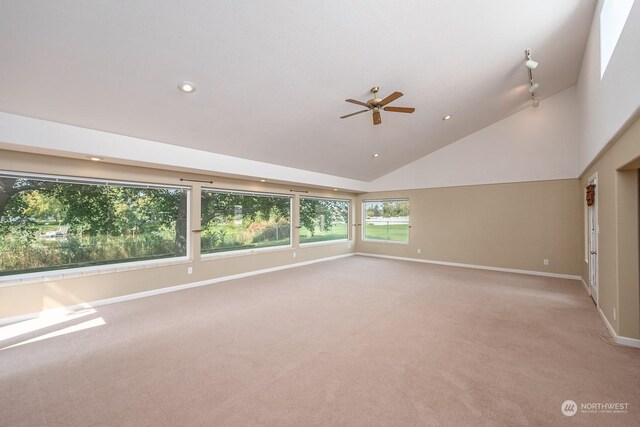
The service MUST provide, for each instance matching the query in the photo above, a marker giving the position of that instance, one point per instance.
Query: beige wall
(502, 225)
(56, 291)
(617, 194)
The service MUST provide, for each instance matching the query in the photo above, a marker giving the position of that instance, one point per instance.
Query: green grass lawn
(391, 232)
(336, 232)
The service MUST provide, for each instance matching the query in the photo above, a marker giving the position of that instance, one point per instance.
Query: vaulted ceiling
(272, 76)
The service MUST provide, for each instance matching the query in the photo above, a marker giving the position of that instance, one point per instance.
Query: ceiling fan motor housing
(374, 102)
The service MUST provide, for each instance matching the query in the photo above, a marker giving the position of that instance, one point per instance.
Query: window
(386, 220)
(323, 219)
(51, 223)
(613, 16)
(233, 221)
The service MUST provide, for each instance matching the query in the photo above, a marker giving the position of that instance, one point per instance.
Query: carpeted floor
(355, 341)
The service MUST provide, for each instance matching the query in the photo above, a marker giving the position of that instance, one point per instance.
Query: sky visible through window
(613, 16)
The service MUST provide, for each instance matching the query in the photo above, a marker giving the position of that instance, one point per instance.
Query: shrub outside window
(386, 220)
(53, 223)
(323, 219)
(233, 221)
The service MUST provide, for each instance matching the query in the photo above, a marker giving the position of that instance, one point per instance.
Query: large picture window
(49, 223)
(386, 220)
(234, 221)
(323, 219)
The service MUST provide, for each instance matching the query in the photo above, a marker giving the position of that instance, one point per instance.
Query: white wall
(607, 104)
(45, 137)
(558, 140)
(534, 144)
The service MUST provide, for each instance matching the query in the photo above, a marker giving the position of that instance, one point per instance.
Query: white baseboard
(477, 267)
(631, 342)
(160, 291)
(585, 286)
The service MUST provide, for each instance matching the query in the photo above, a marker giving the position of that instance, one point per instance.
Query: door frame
(592, 246)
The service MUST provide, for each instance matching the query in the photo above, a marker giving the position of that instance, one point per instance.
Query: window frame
(109, 267)
(248, 251)
(326, 242)
(364, 221)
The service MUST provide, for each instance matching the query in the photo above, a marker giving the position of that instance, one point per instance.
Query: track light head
(534, 86)
(531, 64)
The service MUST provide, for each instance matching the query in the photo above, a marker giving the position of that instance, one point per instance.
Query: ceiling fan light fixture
(376, 104)
(186, 86)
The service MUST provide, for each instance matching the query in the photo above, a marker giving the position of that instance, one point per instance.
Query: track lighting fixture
(530, 64)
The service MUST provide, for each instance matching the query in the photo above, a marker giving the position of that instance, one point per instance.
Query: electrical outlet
(546, 262)
(419, 251)
(190, 270)
(294, 254)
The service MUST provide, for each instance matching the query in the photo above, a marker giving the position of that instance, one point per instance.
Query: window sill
(393, 242)
(244, 252)
(98, 270)
(324, 243)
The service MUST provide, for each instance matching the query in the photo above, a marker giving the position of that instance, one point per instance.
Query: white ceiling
(272, 76)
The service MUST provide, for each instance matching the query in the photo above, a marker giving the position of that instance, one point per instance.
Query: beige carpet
(356, 341)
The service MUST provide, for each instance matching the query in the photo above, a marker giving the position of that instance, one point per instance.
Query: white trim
(631, 342)
(393, 242)
(324, 242)
(586, 287)
(244, 252)
(204, 188)
(477, 267)
(593, 179)
(83, 180)
(138, 295)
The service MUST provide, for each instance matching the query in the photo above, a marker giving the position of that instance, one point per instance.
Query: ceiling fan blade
(392, 97)
(353, 114)
(376, 118)
(353, 101)
(400, 109)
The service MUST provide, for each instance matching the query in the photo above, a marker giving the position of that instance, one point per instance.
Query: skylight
(613, 16)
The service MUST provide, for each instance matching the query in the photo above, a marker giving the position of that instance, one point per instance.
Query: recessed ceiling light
(375, 155)
(263, 180)
(187, 87)
(94, 158)
(447, 117)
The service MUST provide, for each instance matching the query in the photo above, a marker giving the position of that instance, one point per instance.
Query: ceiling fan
(375, 103)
